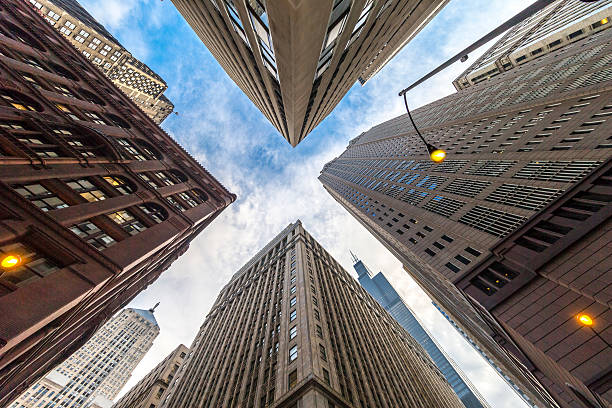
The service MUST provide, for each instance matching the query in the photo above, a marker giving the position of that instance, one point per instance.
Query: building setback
(105, 52)
(516, 144)
(96, 372)
(295, 60)
(560, 23)
(152, 389)
(381, 290)
(96, 200)
(293, 329)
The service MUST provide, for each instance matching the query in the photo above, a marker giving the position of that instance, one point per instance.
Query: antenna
(355, 259)
(154, 307)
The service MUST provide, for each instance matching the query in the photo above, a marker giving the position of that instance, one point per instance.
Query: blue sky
(275, 183)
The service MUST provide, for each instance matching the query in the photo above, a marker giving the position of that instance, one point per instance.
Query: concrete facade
(293, 329)
(152, 389)
(96, 372)
(96, 200)
(515, 143)
(131, 76)
(296, 59)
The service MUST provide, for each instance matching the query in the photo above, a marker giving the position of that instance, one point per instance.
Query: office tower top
(560, 23)
(152, 389)
(296, 59)
(96, 201)
(381, 290)
(293, 328)
(96, 372)
(106, 53)
(516, 144)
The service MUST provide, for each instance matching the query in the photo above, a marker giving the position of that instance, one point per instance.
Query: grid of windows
(492, 221)
(466, 187)
(40, 196)
(443, 206)
(527, 197)
(93, 235)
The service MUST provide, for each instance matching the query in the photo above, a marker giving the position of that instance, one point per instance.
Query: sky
(277, 184)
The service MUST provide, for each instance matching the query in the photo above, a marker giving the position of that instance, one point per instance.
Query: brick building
(293, 329)
(519, 145)
(96, 200)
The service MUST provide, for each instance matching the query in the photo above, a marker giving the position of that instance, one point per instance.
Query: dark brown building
(96, 201)
(509, 235)
(293, 329)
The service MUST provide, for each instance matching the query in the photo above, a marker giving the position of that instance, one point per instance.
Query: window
(292, 378)
(293, 315)
(452, 267)
(86, 190)
(293, 301)
(174, 202)
(127, 221)
(292, 332)
(292, 290)
(131, 150)
(32, 267)
(322, 352)
(430, 252)
(18, 101)
(447, 238)
(67, 28)
(317, 315)
(120, 184)
(438, 245)
(92, 235)
(326, 376)
(95, 42)
(81, 36)
(293, 353)
(462, 259)
(40, 196)
(472, 251)
(154, 211)
(319, 331)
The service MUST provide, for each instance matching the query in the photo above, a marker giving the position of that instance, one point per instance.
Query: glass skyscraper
(379, 287)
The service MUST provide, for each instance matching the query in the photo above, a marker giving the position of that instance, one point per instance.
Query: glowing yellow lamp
(604, 21)
(10, 261)
(437, 156)
(585, 319)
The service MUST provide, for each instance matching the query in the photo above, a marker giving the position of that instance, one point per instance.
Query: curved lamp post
(435, 154)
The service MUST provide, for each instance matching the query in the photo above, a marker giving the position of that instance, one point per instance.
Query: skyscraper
(296, 59)
(96, 372)
(561, 23)
(96, 200)
(518, 145)
(293, 328)
(152, 389)
(105, 52)
(488, 359)
(381, 290)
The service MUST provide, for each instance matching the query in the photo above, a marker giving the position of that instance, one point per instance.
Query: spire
(154, 307)
(355, 259)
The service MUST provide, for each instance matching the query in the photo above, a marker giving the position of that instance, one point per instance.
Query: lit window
(19, 101)
(120, 184)
(127, 221)
(86, 190)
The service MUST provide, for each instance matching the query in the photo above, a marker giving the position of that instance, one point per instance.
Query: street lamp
(435, 154)
(10, 261)
(587, 321)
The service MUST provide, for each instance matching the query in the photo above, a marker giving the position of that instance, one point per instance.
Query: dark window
(447, 238)
(292, 379)
(430, 252)
(93, 235)
(40, 196)
(452, 267)
(472, 251)
(462, 259)
(438, 245)
(19, 101)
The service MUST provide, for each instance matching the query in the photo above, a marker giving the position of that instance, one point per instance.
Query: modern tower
(96, 372)
(488, 359)
(152, 389)
(496, 233)
(105, 52)
(96, 200)
(561, 23)
(296, 59)
(292, 328)
(384, 293)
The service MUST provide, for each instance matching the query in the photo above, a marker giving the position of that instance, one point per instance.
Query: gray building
(379, 287)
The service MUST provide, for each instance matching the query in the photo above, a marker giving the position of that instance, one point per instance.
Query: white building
(95, 374)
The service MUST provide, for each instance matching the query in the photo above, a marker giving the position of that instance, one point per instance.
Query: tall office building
(381, 290)
(519, 143)
(560, 23)
(96, 200)
(133, 77)
(96, 372)
(488, 359)
(152, 389)
(292, 328)
(296, 59)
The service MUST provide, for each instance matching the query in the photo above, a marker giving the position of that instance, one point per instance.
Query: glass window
(93, 235)
(293, 301)
(156, 212)
(19, 101)
(31, 265)
(127, 221)
(292, 379)
(40, 196)
(292, 290)
(292, 332)
(120, 184)
(292, 315)
(86, 190)
(131, 150)
(293, 353)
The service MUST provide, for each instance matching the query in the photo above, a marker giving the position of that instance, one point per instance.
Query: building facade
(293, 329)
(488, 359)
(383, 292)
(515, 143)
(96, 200)
(295, 60)
(97, 371)
(152, 389)
(561, 23)
(133, 77)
